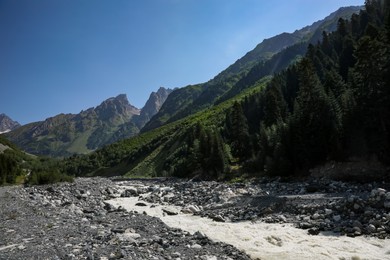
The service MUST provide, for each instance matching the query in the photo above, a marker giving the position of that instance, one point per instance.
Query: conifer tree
(239, 132)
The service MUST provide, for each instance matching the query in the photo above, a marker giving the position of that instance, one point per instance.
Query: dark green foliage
(202, 154)
(19, 167)
(9, 167)
(47, 176)
(337, 101)
(333, 103)
(341, 100)
(237, 132)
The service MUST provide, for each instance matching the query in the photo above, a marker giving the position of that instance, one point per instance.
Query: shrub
(48, 177)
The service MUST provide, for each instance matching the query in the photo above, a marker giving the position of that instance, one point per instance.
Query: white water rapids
(268, 241)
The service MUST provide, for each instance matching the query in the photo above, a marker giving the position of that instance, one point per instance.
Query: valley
(285, 154)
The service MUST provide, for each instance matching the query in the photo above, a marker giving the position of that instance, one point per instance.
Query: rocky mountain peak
(153, 105)
(155, 101)
(114, 107)
(7, 124)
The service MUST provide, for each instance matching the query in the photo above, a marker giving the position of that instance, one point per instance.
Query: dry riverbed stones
(72, 221)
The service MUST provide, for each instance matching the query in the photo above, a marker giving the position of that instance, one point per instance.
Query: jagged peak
(7, 124)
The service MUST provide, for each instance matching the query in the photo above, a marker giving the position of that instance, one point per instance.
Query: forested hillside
(17, 167)
(270, 56)
(332, 104)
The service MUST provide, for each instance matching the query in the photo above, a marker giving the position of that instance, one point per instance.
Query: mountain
(67, 134)
(7, 124)
(330, 106)
(270, 56)
(152, 106)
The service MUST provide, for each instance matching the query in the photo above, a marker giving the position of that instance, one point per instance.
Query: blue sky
(63, 56)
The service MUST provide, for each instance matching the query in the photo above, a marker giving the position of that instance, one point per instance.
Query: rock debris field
(96, 218)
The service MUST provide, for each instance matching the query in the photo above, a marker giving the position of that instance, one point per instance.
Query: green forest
(332, 104)
(18, 167)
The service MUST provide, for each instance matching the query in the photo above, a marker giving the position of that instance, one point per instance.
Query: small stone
(130, 192)
(313, 231)
(199, 235)
(328, 211)
(217, 218)
(357, 223)
(193, 208)
(141, 204)
(357, 231)
(371, 228)
(282, 218)
(196, 246)
(305, 225)
(316, 216)
(337, 218)
(169, 212)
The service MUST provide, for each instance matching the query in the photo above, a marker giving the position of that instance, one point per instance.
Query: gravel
(74, 221)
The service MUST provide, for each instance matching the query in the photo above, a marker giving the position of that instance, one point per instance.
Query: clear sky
(63, 56)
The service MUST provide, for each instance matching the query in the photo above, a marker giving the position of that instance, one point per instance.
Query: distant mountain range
(7, 124)
(66, 134)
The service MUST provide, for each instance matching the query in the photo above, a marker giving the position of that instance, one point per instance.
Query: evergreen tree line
(333, 104)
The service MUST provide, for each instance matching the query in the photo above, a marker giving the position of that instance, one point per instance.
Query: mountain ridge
(323, 108)
(204, 95)
(66, 134)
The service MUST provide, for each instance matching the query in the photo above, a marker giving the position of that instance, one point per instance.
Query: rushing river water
(267, 241)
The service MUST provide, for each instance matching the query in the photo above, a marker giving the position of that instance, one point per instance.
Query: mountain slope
(331, 105)
(264, 55)
(7, 124)
(66, 134)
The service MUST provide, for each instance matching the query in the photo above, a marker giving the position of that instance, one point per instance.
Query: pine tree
(275, 107)
(239, 132)
(314, 120)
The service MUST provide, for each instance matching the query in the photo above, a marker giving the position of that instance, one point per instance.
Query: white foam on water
(268, 241)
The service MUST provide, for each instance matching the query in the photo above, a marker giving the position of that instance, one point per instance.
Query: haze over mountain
(66, 134)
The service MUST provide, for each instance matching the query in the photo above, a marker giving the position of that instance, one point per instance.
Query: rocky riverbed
(72, 221)
(103, 219)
